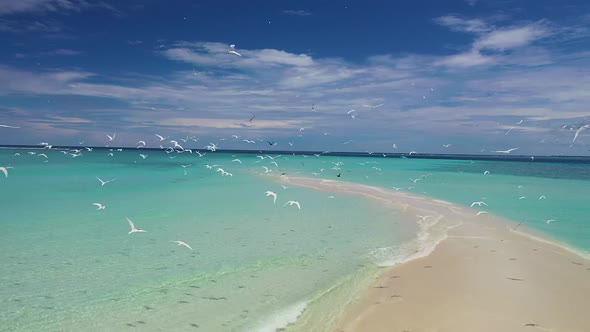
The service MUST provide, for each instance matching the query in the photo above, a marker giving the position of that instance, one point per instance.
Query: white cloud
(493, 39)
(20, 6)
(511, 37)
(215, 54)
(467, 59)
(457, 23)
(298, 12)
(9, 7)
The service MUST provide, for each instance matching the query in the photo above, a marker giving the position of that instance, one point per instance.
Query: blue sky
(478, 75)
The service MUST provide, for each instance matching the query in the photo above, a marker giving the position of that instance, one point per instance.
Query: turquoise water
(255, 265)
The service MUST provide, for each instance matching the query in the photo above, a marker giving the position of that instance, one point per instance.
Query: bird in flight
(161, 137)
(182, 243)
(273, 195)
(252, 118)
(271, 143)
(293, 203)
(232, 50)
(102, 183)
(480, 203)
(5, 170)
(111, 138)
(99, 206)
(7, 126)
(579, 131)
(133, 228)
(505, 151)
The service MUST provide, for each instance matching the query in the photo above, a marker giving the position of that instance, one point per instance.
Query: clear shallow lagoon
(255, 265)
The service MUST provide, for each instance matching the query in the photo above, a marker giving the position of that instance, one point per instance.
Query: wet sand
(482, 276)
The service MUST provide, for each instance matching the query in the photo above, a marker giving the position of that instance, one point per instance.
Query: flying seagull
(293, 203)
(232, 50)
(99, 206)
(273, 194)
(111, 138)
(161, 137)
(5, 170)
(478, 203)
(182, 243)
(102, 183)
(7, 126)
(505, 151)
(133, 228)
(579, 131)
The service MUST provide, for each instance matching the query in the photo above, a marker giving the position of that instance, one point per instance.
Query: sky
(464, 76)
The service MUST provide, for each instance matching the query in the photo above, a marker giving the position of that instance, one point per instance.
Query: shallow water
(255, 265)
(67, 266)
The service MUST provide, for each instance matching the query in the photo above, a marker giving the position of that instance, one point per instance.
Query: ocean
(255, 265)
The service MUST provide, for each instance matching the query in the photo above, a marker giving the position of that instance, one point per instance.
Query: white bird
(505, 151)
(232, 50)
(161, 137)
(579, 131)
(351, 111)
(549, 221)
(102, 183)
(236, 161)
(7, 126)
(266, 169)
(395, 146)
(274, 163)
(5, 170)
(182, 243)
(133, 228)
(480, 203)
(481, 212)
(509, 130)
(293, 203)
(446, 145)
(522, 197)
(273, 194)
(99, 206)
(248, 141)
(143, 156)
(201, 154)
(519, 122)
(486, 172)
(542, 197)
(284, 187)
(43, 155)
(141, 142)
(111, 138)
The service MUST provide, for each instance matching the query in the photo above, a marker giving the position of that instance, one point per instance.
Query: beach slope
(482, 276)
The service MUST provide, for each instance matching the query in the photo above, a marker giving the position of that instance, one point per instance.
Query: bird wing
(131, 224)
(4, 170)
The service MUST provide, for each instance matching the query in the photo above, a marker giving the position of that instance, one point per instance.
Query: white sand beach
(482, 276)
